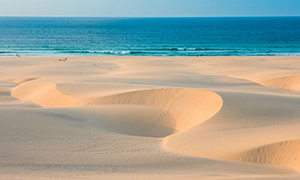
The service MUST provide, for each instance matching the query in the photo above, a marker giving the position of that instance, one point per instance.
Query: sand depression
(163, 118)
(179, 108)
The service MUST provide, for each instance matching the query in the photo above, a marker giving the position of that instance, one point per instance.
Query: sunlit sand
(150, 118)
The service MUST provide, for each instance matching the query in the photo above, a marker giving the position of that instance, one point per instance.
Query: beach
(141, 117)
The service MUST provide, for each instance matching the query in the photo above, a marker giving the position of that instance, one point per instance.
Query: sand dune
(149, 117)
(245, 122)
(287, 82)
(45, 95)
(189, 107)
(132, 120)
(285, 153)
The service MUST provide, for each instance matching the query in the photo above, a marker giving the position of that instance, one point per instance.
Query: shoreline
(144, 56)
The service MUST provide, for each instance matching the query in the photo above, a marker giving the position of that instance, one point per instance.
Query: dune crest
(286, 153)
(189, 107)
(45, 95)
(286, 82)
(22, 80)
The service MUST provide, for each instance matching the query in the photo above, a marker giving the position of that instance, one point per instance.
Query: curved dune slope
(45, 95)
(188, 107)
(129, 119)
(287, 82)
(285, 153)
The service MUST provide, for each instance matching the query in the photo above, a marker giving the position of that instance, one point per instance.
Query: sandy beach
(164, 118)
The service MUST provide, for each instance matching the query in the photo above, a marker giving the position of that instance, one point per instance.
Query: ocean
(232, 36)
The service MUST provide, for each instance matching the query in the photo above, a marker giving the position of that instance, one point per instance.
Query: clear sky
(149, 8)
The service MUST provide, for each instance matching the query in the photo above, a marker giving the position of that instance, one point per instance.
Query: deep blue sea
(242, 36)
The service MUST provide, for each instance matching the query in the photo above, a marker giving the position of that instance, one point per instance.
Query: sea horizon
(142, 16)
(150, 36)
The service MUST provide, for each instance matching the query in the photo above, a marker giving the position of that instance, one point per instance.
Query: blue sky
(149, 8)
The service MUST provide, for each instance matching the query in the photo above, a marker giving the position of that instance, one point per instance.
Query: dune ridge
(45, 95)
(286, 153)
(286, 82)
(22, 80)
(283, 82)
(188, 106)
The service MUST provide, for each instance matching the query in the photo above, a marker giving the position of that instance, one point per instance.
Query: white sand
(150, 118)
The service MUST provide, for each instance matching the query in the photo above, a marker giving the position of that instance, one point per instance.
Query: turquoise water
(244, 36)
